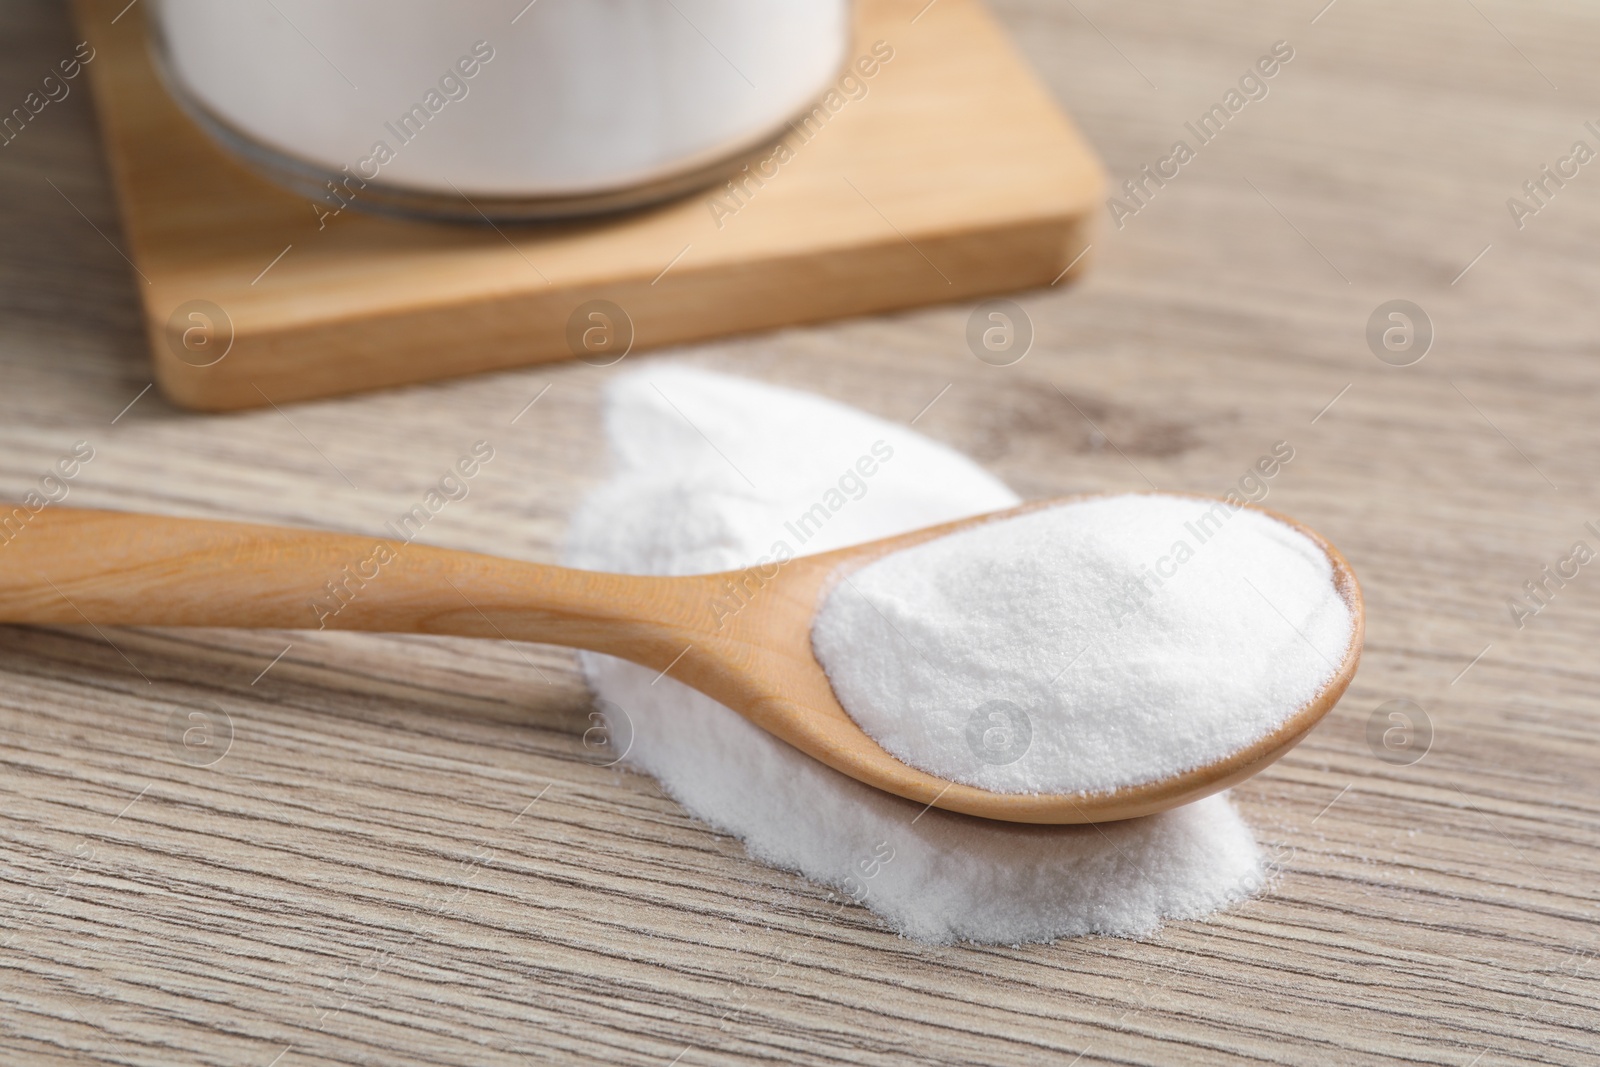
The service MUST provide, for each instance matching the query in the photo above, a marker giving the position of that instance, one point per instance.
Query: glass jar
(499, 108)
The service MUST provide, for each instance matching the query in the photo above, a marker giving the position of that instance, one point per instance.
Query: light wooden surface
(361, 878)
(954, 174)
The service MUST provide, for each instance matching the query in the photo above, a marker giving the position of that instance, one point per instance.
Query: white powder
(680, 503)
(1103, 643)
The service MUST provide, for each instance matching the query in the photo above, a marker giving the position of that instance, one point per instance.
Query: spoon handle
(66, 566)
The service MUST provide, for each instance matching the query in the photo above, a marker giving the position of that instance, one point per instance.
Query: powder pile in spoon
(678, 502)
(1091, 646)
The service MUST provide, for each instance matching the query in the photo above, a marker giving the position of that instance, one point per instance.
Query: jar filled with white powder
(511, 108)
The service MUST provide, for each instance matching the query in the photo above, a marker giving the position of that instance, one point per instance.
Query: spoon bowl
(741, 637)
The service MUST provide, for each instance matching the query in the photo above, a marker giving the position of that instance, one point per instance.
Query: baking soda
(1099, 644)
(484, 97)
(709, 473)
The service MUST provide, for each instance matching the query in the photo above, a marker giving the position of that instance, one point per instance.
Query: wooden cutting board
(954, 175)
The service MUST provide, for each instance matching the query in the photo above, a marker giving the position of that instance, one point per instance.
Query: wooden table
(402, 855)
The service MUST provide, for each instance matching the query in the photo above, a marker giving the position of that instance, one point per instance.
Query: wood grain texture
(910, 193)
(361, 878)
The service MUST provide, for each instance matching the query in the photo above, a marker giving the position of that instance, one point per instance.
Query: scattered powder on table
(775, 467)
(1103, 643)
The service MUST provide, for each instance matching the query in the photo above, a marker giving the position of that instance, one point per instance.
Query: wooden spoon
(68, 566)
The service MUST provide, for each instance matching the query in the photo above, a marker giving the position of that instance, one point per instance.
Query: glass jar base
(339, 189)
